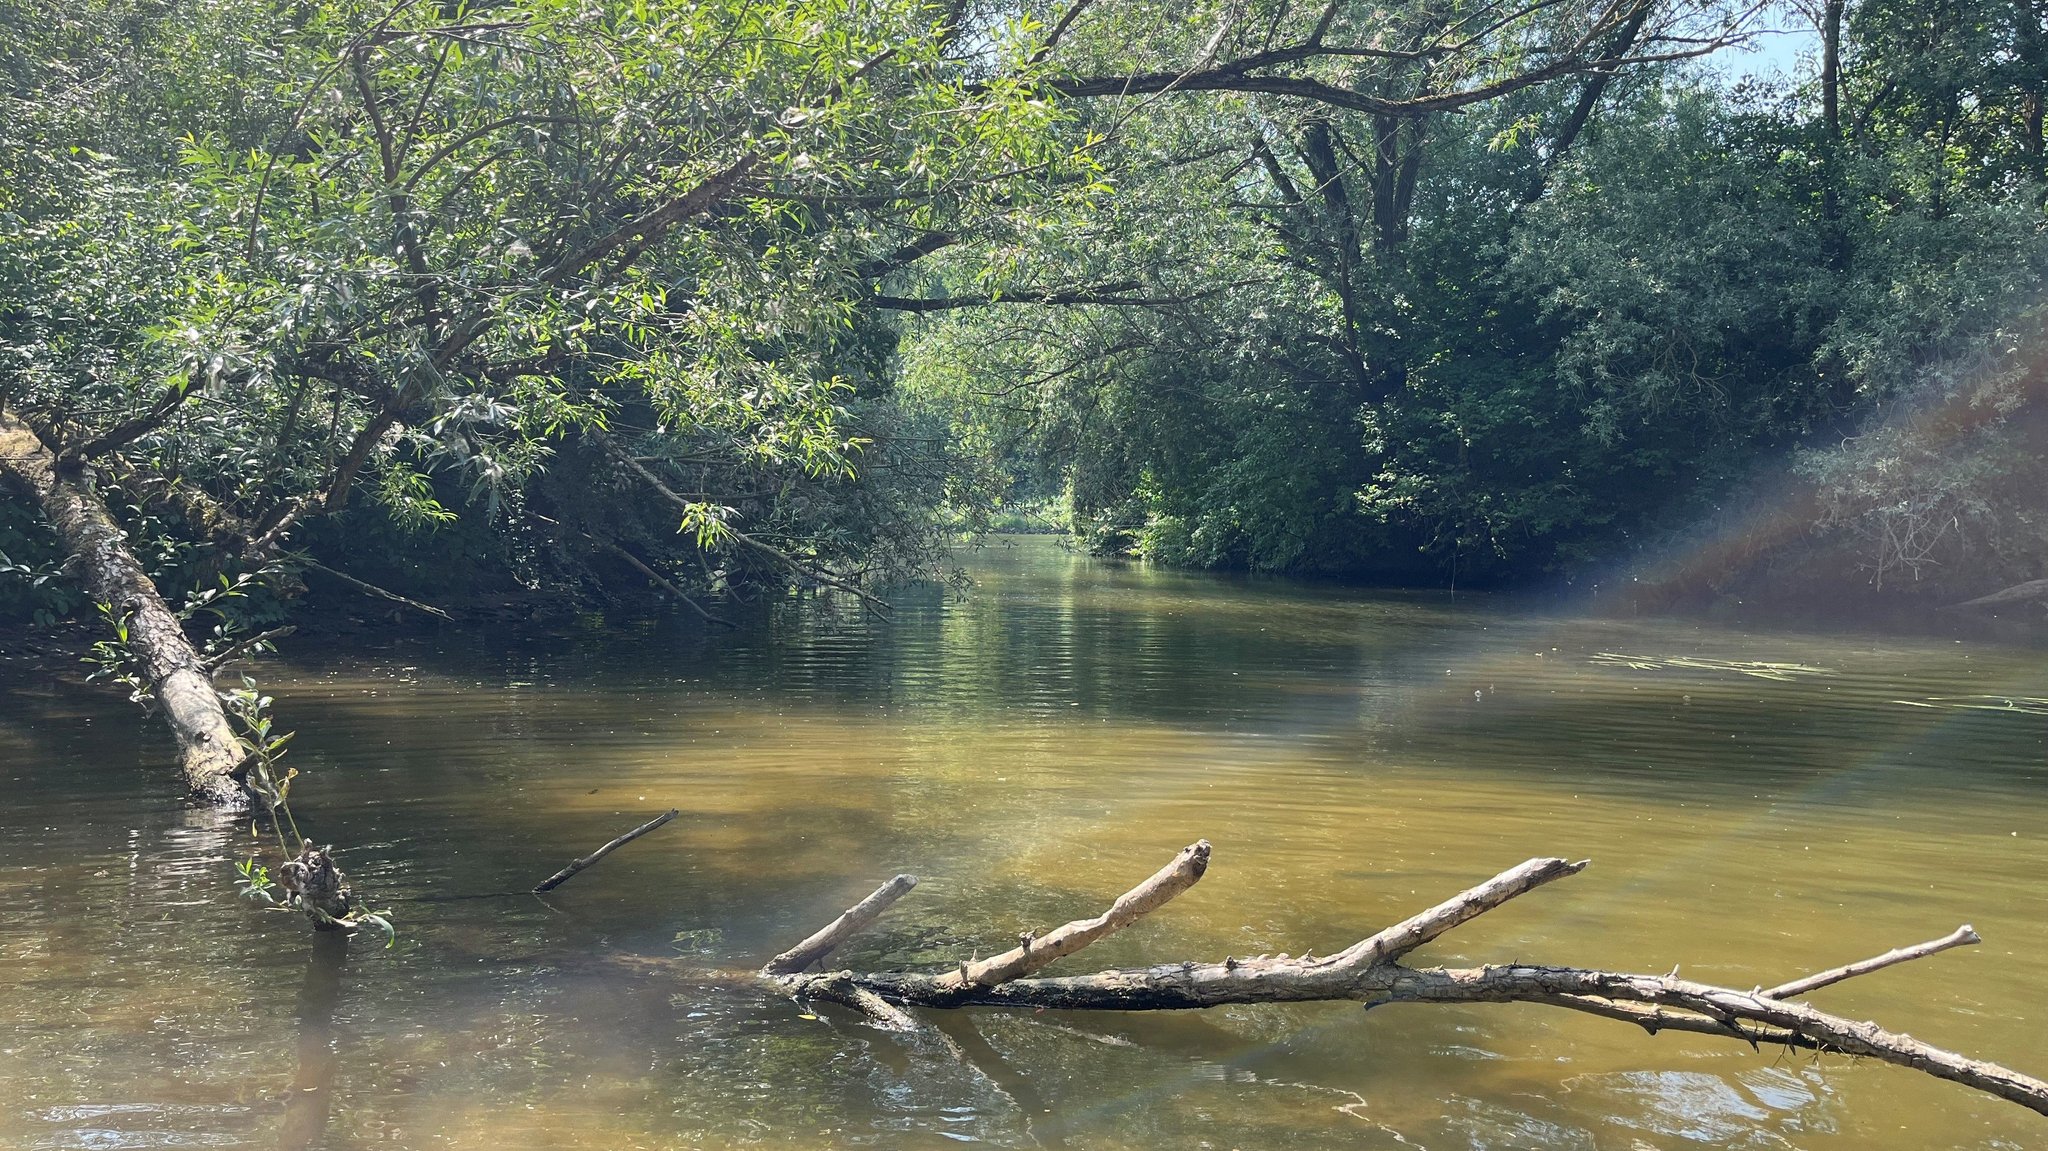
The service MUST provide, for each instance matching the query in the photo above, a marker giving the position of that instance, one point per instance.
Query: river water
(1756, 805)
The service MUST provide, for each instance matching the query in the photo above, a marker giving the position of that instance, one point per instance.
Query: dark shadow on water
(978, 1053)
(311, 1101)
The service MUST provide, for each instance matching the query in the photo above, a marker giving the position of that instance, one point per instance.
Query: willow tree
(259, 262)
(1327, 195)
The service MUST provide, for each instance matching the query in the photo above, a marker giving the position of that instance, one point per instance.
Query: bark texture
(318, 887)
(1032, 953)
(1370, 971)
(209, 751)
(822, 942)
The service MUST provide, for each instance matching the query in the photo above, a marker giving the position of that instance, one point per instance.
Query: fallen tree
(176, 675)
(216, 761)
(1371, 971)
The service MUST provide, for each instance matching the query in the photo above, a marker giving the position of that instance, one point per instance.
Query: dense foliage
(1552, 332)
(544, 281)
(612, 298)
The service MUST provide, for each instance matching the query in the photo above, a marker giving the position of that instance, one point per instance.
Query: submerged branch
(564, 875)
(823, 941)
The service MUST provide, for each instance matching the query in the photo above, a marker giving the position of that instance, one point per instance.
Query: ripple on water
(1030, 751)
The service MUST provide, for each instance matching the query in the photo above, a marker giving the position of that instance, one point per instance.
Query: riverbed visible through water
(1756, 804)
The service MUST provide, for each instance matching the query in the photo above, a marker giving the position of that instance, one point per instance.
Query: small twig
(562, 876)
(382, 593)
(1961, 937)
(234, 651)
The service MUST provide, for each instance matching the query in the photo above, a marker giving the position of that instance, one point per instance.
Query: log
(562, 876)
(209, 752)
(1370, 971)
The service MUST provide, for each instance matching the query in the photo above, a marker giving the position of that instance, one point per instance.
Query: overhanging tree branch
(209, 751)
(1118, 294)
(128, 431)
(1265, 72)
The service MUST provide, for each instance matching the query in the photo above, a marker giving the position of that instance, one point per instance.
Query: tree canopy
(604, 298)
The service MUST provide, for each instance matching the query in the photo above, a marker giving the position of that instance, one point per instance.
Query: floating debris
(2015, 704)
(1783, 672)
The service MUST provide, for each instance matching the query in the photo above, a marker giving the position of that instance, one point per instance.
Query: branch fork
(1371, 971)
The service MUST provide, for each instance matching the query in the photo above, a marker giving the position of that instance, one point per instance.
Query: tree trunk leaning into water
(178, 677)
(1370, 970)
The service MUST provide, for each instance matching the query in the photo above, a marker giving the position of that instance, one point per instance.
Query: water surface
(1756, 806)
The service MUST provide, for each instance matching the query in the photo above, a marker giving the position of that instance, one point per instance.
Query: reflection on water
(1030, 751)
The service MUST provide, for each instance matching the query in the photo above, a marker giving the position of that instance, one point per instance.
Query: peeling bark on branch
(1370, 971)
(1031, 954)
(853, 919)
(208, 750)
(1827, 1032)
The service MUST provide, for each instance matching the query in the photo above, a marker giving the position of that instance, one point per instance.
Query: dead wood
(1963, 936)
(825, 939)
(318, 887)
(173, 670)
(1370, 971)
(663, 582)
(368, 588)
(562, 876)
(218, 660)
(1030, 954)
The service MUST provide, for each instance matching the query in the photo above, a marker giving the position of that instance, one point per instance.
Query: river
(1756, 804)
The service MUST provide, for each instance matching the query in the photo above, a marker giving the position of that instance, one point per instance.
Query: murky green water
(1031, 751)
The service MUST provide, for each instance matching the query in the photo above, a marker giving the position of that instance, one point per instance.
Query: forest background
(597, 303)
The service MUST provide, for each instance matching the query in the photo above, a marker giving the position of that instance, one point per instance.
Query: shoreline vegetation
(474, 310)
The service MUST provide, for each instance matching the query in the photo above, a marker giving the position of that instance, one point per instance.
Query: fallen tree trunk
(176, 675)
(1370, 971)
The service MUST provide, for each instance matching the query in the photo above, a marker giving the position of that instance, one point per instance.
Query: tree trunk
(1370, 971)
(209, 751)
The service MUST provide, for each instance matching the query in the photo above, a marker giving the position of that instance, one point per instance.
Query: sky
(1785, 45)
